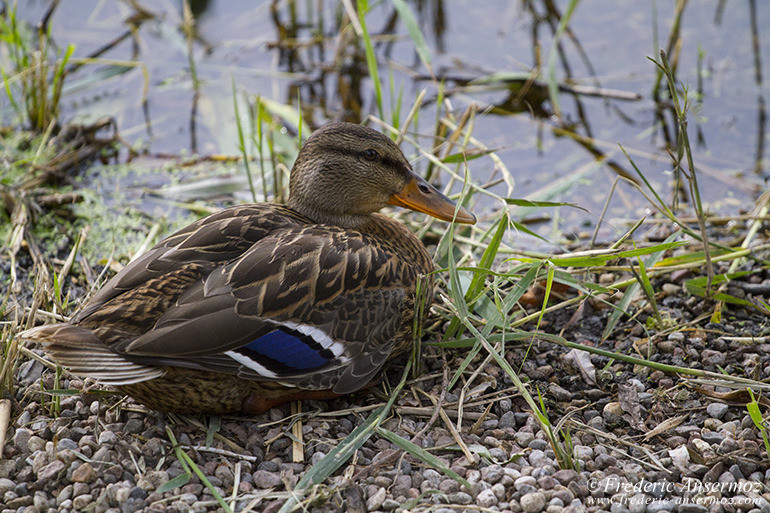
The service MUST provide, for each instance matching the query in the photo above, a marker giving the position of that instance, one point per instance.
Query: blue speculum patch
(287, 350)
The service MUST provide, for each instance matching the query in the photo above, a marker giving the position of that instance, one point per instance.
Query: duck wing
(312, 306)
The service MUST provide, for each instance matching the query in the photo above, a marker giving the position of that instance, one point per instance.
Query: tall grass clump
(33, 77)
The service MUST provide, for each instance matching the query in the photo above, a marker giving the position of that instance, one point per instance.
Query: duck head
(345, 172)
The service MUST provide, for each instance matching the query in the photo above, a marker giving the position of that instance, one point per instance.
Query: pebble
(487, 498)
(507, 420)
(584, 452)
(376, 501)
(492, 473)
(565, 476)
(524, 481)
(459, 498)
(390, 504)
(84, 474)
(523, 438)
(81, 501)
(264, 479)
(692, 507)
(712, 437)
(21, 438)
(107, 438)
(717, 410)
(532, 502)
(51, 471)
(659, 505)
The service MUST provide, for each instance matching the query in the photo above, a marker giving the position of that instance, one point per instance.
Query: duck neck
(352, 221)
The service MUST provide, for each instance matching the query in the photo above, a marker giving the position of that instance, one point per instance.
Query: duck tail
(79, 349)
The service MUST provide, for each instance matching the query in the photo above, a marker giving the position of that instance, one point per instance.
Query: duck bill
(421, 196)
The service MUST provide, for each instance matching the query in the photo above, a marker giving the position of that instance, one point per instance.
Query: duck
(261, 304)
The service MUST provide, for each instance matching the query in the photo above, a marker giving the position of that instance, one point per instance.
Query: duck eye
(371, 154)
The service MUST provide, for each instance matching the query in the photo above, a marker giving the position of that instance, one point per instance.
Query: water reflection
(497, 54)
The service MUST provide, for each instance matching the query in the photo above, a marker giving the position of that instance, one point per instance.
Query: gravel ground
(103, 453)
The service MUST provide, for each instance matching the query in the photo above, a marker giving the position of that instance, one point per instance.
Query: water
(268, 49)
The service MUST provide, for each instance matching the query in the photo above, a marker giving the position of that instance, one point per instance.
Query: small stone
(19, 502)
(133, 426)
(84, 474)
(612, 413)
(376, 501)
(712, 437)
(556, 502)
(107, 437)
(559, 393)
(390, 505)
(538, 444)
(638, 503)
(80, 489)
(507, 419)
(492, 473)
(711, 357)
(523, 438)
(40, 501)
(546, 483)
(66, 444)
(459, 498)
(21, 438)
(565, 475)
(762, 504)
(82, 501)
(537, 458)
(6, 485)
(727, 446)
(660, 505)
(717, 410)
(521, 417)
(605, 460)
(121, 494)
(188, 498)
(51, 471)
(432, 475)
(692, 507)
(524, 481)
(486, 498)
(449, 486)
(584, 452)
(264, 479)
(35, 443)
(533, 502)
(269, 466)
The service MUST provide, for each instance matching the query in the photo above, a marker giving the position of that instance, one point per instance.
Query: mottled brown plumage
(260, 304)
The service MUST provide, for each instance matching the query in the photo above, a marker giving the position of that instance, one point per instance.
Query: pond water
(285, 51)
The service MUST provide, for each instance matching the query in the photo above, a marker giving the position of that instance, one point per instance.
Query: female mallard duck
(261, 304)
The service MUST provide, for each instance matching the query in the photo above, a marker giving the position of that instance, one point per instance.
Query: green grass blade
(371, 59)
(478, 279)
(413, 27)
(176, 482)
(553, 53)
(605, 256)
(242, 145)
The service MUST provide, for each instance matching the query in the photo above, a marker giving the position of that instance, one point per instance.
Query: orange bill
(421, 196)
